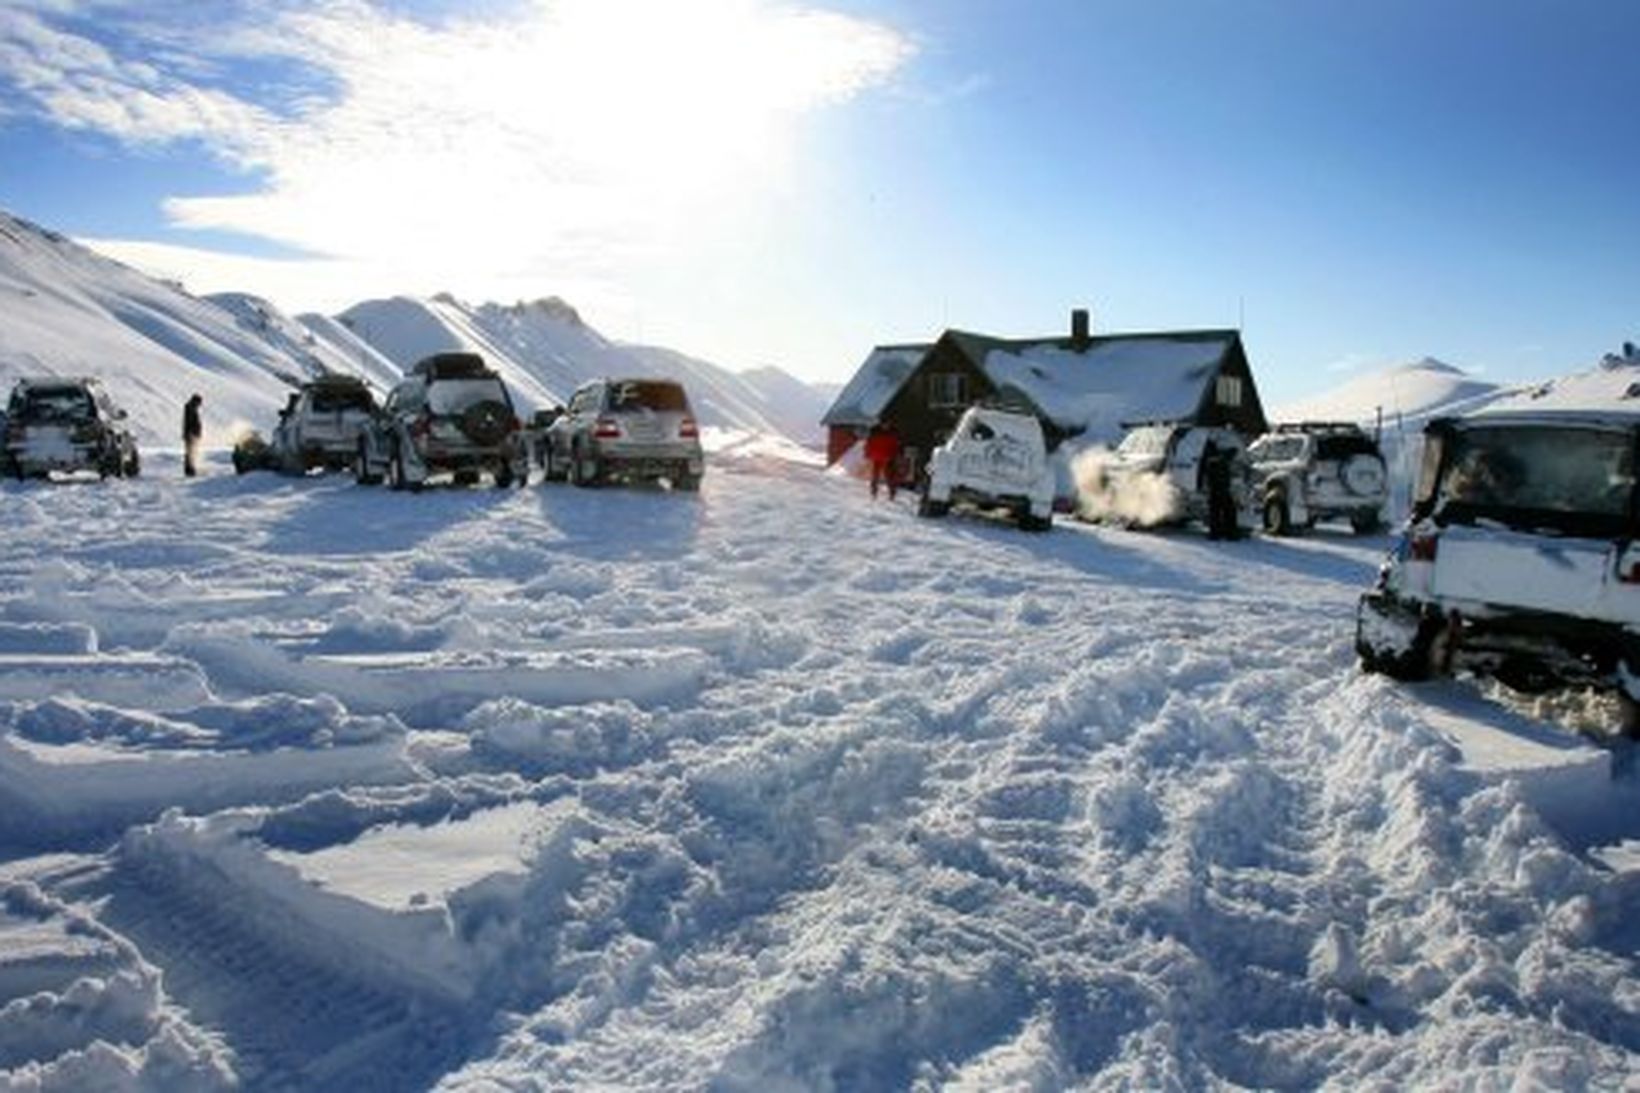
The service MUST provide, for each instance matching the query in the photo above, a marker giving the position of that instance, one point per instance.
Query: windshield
(641, 394)
(454, 396)
(345, 398)
(58, 404)
(1344, 445)
(1548, 472)
(1144, 442)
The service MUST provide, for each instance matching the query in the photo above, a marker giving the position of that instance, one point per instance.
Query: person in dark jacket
(1217, 468)
(883, 453)
(192, 431)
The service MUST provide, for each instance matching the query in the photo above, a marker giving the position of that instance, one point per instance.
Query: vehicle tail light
(1422, 548)
(689, 430)
(607, 428)
(513, 424)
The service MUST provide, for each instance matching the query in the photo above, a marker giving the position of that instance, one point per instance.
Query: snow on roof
(1613, 387)
(1118, 379)
(865, 397)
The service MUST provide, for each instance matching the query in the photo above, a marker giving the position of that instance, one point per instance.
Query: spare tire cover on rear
(485, 422)
(1362, 474)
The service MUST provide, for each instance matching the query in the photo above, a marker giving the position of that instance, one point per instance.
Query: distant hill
(1406, 394)
(71, 312)
(68, 311)
(544, 350)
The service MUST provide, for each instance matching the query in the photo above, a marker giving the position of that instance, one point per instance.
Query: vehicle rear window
(58, 404)
(330, 401)
(1344, 445)
(1540, 470)
(647, 395)
(454, 396)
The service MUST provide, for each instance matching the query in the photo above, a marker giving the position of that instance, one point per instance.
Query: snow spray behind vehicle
(1146, 500)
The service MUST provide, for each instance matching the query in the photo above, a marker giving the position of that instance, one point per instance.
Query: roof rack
(443, 366)
(1316, 427)
(1152, 422)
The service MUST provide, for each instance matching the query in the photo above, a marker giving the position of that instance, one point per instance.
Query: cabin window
(947, 389)
(1229, 391)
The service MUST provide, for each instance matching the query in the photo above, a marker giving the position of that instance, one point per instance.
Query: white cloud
(574, 135)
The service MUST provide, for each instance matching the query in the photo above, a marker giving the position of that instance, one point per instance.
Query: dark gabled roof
(1081, 387)
(877, 380)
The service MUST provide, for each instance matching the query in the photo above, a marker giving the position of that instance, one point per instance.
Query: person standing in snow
(1221, 501)
(192, 431)
(883, 452)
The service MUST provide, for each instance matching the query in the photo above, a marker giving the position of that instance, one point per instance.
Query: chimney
(1080, 337)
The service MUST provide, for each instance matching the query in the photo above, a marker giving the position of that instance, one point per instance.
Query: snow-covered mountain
(544, 350)
(1404, 393)
(66, 310)
(69, 311)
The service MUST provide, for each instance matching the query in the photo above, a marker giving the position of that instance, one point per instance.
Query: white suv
(993, 459)
(1520, 560)
(452, 414)
(1316, 471)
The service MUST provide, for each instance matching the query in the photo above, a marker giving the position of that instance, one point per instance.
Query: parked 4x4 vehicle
(993, 459)
(66, 425)
(1313, 471)
(321, 425)
(452, 414)
(1521, 560)
(625, 429)
(1157, 475)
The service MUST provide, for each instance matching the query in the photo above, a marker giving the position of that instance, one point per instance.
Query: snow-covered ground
(307, 785)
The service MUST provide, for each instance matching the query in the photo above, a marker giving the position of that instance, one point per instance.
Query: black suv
(452, 414)
(66, 425)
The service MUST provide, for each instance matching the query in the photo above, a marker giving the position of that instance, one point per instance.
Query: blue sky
(789, 183)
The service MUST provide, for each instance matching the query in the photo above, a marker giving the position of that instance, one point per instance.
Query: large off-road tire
(584, 470)
(361, 467)
(503, 476)
(1412, 665)
(687, 483)
(1028, 522)
(133, 465)
(928, 507)
(1278, 519)
(1364, 523)
(396, 478)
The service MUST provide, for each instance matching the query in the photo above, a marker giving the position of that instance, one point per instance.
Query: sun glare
(582, 128)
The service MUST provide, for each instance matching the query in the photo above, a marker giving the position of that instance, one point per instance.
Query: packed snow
(310, 785)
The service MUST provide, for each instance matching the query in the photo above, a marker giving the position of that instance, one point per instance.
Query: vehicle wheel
(687, 483)
(1365, 523)
(1027, 522)
(465, 478)
(395, 469)
(1277, 520)
(549, 469)
(361, 468)
(927, 506)
(1413, 665)
(133, 465)
(503, 476)
(584, 470)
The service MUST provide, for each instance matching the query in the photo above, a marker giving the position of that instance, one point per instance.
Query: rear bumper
(649, 460)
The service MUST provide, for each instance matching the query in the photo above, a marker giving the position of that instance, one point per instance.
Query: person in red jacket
(883, 452)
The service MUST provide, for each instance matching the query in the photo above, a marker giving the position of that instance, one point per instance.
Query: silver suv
(1521, 560)
(625, 429)
(1159, 474)
(321, 425)
(1314, 471)
(452, 414)
(66, 425)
